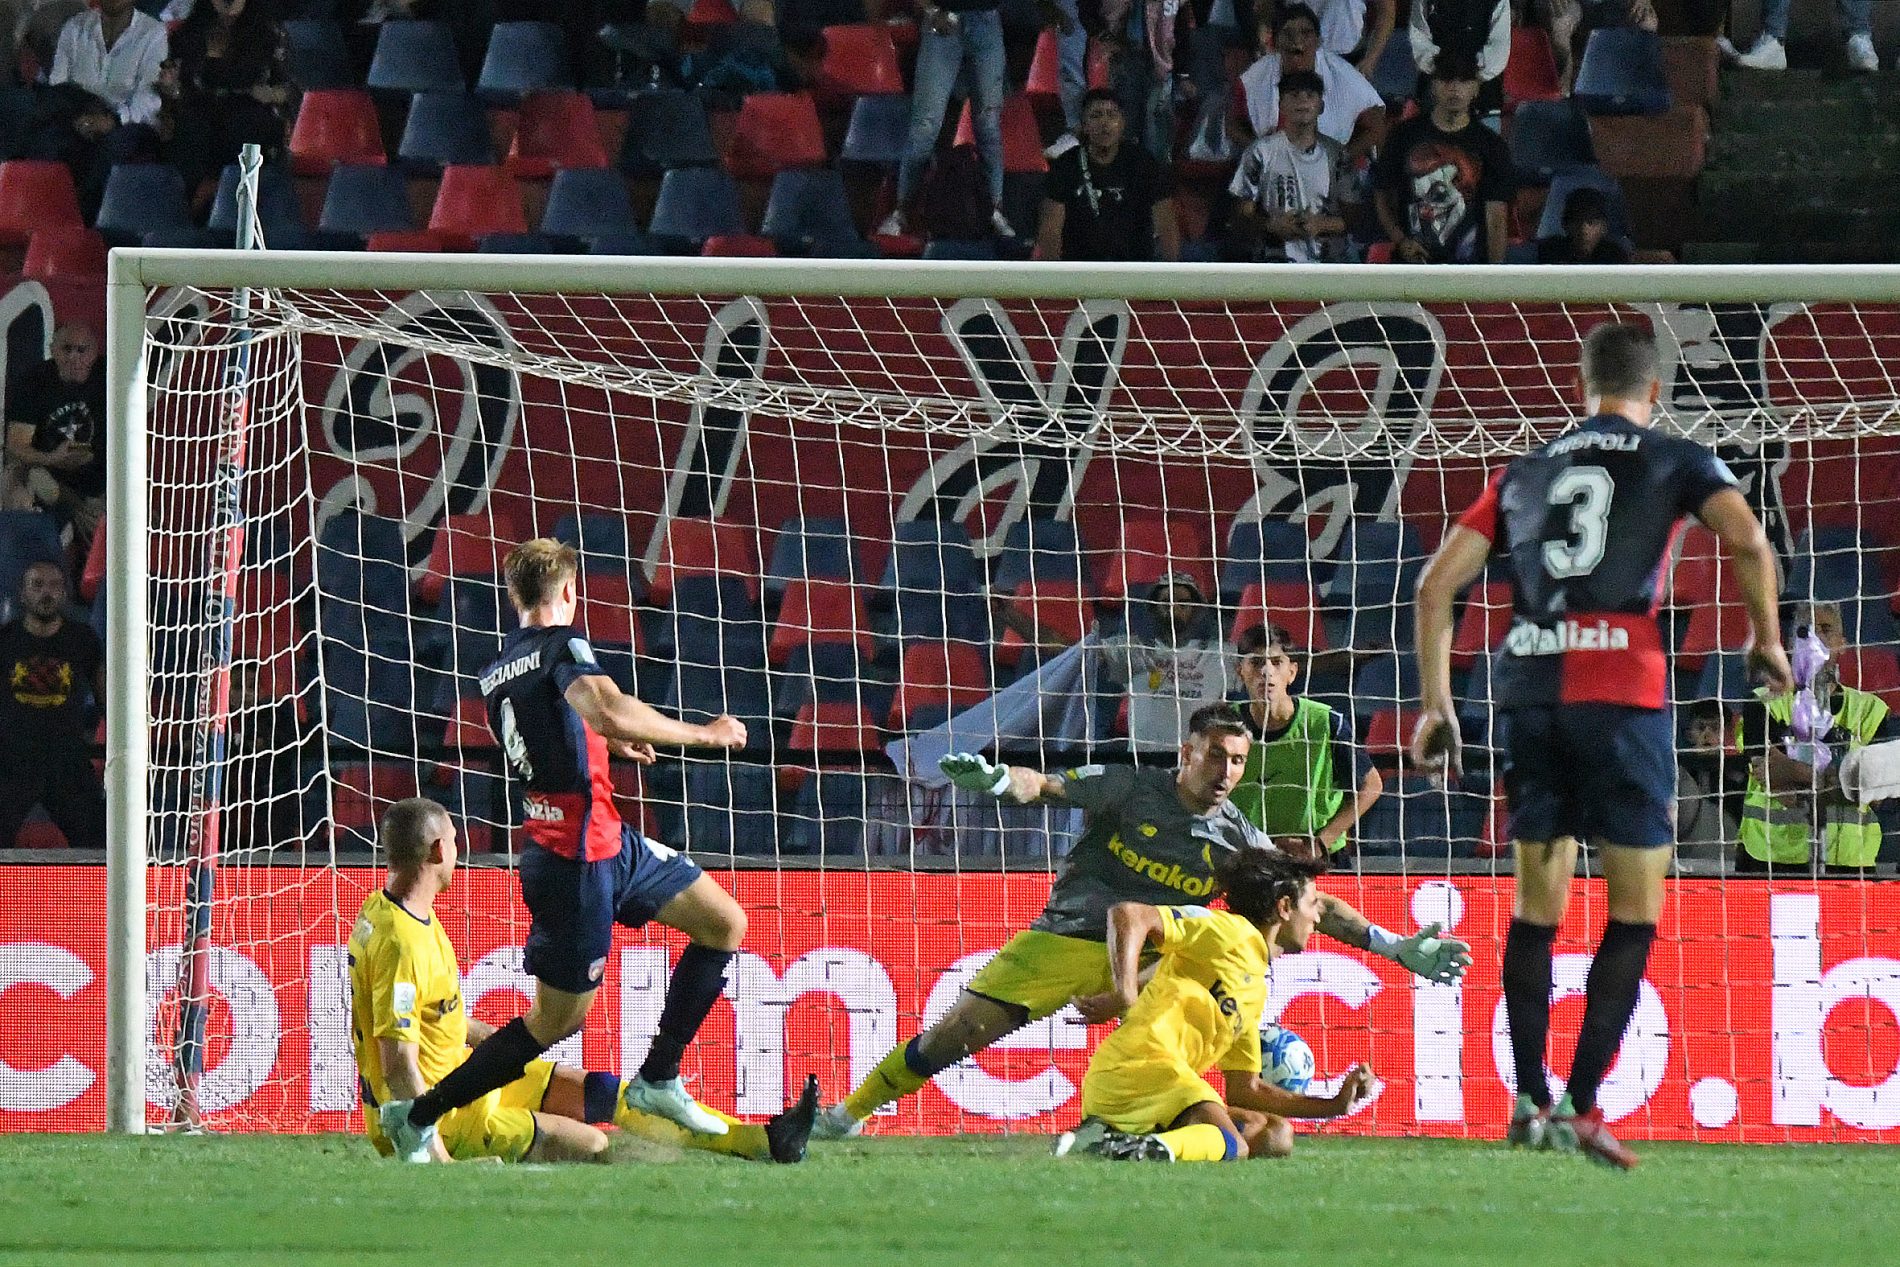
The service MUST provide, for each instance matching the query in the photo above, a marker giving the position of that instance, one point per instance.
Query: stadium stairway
(1774, 191)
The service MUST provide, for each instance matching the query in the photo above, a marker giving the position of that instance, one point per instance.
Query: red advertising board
(1769, 1013)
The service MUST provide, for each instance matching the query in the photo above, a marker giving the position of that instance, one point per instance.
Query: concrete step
(1773, 193)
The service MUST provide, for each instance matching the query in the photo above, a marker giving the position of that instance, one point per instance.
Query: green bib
(1289, 789)
(1778, 831)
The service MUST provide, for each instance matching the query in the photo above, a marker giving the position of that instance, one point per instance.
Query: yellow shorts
(1043, 971)
(1139, 1098)
(500, 1124)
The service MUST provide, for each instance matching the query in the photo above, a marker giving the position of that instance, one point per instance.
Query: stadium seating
(1022, 138)
(1384, 681)
(1259, 551)
(1531, 72)
(139, 199)
(1875, 670)
(277, 208)
(700, 692)
(412, 240)
(335, 125)
(860, 60)
(836, 727)
(696, 203)
(807, 207)
(601, 539)
(1058, 607)
(363, 574)
(1388, 731)
(523, 57)
(1724, 676)
(820, 611)
(473, 201)
(878, 131)
(950, 676)
(1043, 549)
(820, 549)
(960, 249)
(634, 243)
(524, 244)
(1690, 66)
(705, 547)
(416, 56)
(466, 545)
(831, 812)
(555, 130)
(1482, 624)
(739, 246)
(731, 808)
(929, 556)
(26, 537)
(445, 128)
(1396, 75)
(1548, 137)
(1622, 73)
(1713, 627)
(67, 252)
(774, 131)
(607, 614)
(35, 196)
(666, 128)
(588, 202)
(1564, 183)
(366, 200)
(1153, 548)
(1292, 605)
(314, 54)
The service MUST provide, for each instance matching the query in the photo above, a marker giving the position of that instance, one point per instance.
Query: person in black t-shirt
(1106, 200)
(50, 679)
(1444, 179)
(56, 428)
(1586, 238)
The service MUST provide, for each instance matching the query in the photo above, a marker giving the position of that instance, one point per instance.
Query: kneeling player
(1144, 1097)
(409, 1030)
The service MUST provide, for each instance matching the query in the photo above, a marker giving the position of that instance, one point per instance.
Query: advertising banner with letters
(1770, 1013)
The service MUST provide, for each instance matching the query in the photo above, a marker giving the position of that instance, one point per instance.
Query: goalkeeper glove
(969, 771)
(1424, 953)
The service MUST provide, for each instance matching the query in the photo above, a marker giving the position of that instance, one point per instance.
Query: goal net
(884, 513)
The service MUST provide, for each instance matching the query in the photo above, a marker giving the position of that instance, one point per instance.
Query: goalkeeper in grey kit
(1149, 835)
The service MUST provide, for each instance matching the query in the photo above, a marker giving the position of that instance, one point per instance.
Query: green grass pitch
(1345, 1202)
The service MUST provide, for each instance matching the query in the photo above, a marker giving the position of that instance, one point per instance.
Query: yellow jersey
(1202, 1007)
(404, 984)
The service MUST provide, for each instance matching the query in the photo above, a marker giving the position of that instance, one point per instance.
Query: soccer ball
(1285, 1059)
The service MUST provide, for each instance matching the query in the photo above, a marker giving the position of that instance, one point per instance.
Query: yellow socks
(1201, 1141)
(742, 1139)
(893, 1079)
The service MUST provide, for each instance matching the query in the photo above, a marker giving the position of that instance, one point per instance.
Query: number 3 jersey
(567, 790)
(1588, 524)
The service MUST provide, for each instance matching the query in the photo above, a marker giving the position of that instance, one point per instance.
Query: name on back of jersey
(1526, 639)
(1594, 440)
(509, 670)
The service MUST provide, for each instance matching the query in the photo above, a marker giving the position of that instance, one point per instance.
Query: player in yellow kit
(1144, 1097)
(409, 1029)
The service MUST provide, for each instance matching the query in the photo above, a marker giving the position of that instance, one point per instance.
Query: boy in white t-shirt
(1291, 184)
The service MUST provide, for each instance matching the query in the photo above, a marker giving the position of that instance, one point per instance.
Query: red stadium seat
(775, 130)
(364, 791)
(705, 547)
(1058, 606)
(1486, 619)
(607, 609)
(1045, 69)
(1292, 605)
(1531, 72)
(1875, 670)
(860, 61)
(477, 200)
(93, 575)
(1699, 576)
(336, 125)
(739, 245)
(264, 634)
(945, 674)
(35, 196)
(466, 545)
(820, 611)
(414, 240)
(555, 129)
(708, 13)
(1714, 627)
(68, 251)
(839, 726)
(1387, 735)
(1153, 548)
(39, 833)
(469, 727)
(1022, 138)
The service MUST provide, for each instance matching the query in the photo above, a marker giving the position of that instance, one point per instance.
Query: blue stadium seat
(711, 612)
(1438, 824)
(601, 539)
(666, 128)
(366, 200)
(700, 692)
(1725, 677)
(879, 130)
(834, 809)
(416, 56)
(1396, 75)
(588, 202)
(1263, 551)
(808, 206)
(1548, 137)
(960, 249)
(826, 672)
(26, 537)
(1038, 549)
(525, 244)
(931, 556)
(191, 237)
(524, 57)
(277, 208)
(1384, 681)
(444, 128)
(1380, 833)
(141, 198)
(805, 549)
(697, 203)
(314, 54)
(369, 698)
(1377, 567)
(816, 14)
(363, 581)
(1622, 73)
(636, 244)
(1566, 182)
(731, 808)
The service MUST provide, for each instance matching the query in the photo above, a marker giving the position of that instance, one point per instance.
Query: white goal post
(1204, 419)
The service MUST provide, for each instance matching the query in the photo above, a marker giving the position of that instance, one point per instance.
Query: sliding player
(1144, 1097)
(1587, 521)
(558, 718)
(1149, 836)
(409, 1030)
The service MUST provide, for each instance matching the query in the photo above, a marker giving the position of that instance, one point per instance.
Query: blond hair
(537, 569)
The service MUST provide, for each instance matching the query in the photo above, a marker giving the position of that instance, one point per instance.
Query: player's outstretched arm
(973, 772)
(1424, 954)
(402, 1070)
(1131, 926)
(634, 725)
(1457, 562)
(1248, 1091)
(1732, 520)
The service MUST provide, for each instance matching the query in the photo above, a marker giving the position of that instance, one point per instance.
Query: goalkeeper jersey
(404, 984)
(1202, 1007)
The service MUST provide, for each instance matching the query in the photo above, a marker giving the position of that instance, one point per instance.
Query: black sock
(1609, 992)
(1527, 1004)
(694, 988)
(496, 1061)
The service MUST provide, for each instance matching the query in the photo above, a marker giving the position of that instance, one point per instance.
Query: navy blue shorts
(1594, 771)
(574, 905)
